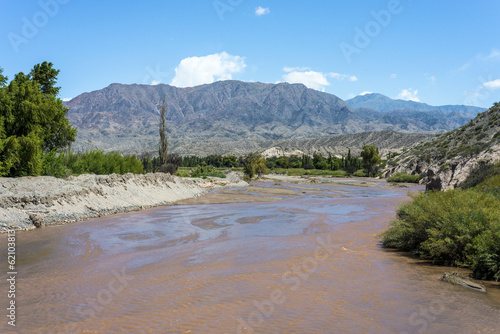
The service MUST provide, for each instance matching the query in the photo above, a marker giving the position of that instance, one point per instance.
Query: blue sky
(438, 52)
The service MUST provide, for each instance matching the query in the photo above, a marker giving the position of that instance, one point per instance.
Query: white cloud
(339, 76)
(365, 92)
(465, 66)
(494, 84)
(155, 82)
(259, 11)
(430, 77)
(66, 99)
(311, 79)
(195, 71)
(494, 55)
(408, 95)
(394, 76)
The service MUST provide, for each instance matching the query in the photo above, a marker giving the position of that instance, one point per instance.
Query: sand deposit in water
(281, 259)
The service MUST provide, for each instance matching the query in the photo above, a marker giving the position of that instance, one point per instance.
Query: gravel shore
(30, 202)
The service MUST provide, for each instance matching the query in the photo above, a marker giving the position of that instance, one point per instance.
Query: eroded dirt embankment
(29, 202)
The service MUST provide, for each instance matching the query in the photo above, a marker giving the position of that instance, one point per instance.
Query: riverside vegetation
(459, 227)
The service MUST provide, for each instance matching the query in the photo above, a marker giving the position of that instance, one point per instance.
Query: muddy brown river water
(271, 258)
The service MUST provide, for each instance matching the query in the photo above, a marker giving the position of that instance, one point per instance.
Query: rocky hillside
(447, 159)
(230, 113)
(386, 141)
(381, 102)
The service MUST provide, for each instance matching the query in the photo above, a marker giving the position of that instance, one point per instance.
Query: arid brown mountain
(125, 117)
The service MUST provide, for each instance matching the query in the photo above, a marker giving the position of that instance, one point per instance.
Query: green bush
(207, 171)
(456, 227)
(315, 172)
(480, 174)
(359, 173)
(182, 173)
(402, 177)
(89, 162)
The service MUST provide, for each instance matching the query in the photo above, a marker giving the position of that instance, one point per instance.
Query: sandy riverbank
(28, 202)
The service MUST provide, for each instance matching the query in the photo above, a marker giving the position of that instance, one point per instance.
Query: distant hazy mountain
(125, 117)
(379, 102)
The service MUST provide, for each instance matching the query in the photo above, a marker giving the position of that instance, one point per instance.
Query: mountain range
(379, 102)
(199, 119)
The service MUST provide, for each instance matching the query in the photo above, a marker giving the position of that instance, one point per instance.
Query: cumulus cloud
(311, 79)
(494, 84)
(259, 11)
(394, 76)
(409, 95)
(66, 99)
(155, 82)
(195, 71)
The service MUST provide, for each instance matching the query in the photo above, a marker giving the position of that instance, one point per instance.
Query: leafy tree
(30, 155)
(46, 76)
(163, 151)
(371, 158)
(32, 121)
(173, 162)
(3, 79)
(253, 164)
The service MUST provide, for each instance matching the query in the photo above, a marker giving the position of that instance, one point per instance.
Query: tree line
(368, 160)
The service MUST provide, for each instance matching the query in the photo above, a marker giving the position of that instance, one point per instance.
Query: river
(271, 258)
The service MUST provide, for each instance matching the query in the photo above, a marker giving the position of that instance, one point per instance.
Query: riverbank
(30, 202)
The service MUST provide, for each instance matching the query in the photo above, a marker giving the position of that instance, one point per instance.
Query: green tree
(163, 151)
(253, 164)
(371, 159)
(32, 121)
(46, 76)
(3, 79)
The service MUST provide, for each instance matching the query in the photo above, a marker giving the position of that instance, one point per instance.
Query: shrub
(359, 173)
(207, 171)
(168, 168)
(457, 227)
(479, 174)
(402, 177)
(182, 173)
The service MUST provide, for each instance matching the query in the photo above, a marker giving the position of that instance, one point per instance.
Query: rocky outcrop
(458, 170)
(30, 202)
(448, 159)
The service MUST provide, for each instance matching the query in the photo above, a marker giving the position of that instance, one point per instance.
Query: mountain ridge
(125, 117)
(379, 102)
